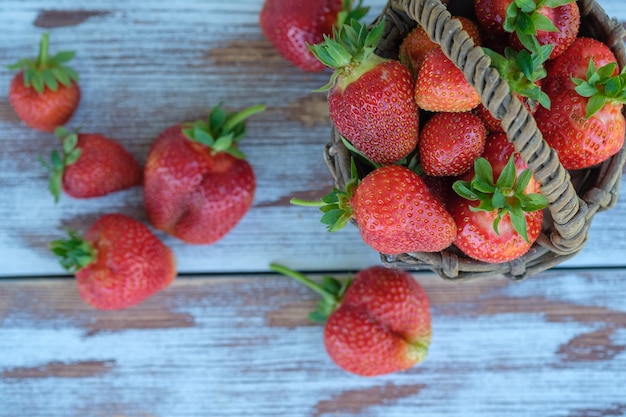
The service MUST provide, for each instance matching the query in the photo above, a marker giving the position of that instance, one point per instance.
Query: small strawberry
(292, 25)
(441, 86)
(118, 263)
(44, 93)
(370, 98)
(375, 323)
(586, 125)
(417, 44)
(197, 183)
(574, 63)
(498, 210)
(394, 211)
(450, 142)
(90, 165)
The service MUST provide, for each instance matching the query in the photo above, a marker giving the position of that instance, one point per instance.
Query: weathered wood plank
(552, 345)
(147, 65)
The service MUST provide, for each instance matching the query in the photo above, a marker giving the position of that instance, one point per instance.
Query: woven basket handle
(568, 211)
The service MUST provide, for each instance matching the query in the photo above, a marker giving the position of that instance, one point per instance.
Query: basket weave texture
(573, 197)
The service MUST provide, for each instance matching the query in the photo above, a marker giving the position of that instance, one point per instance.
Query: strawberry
(375, 323)
(417, 44)
(441, 86)
(394, 211)
(370, 98)
(117, 263)
(450, 142)
(45, 92)
(574, 63)
(498, 210)
(586, 125)
(292, 25)
(197, 183)
(90, 165)
(531, 23)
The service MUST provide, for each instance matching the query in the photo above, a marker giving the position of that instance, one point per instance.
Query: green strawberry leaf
(73, 253)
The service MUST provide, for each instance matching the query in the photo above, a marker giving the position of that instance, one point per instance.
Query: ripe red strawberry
(450, 142)
(117, 263)
(376, 323)
(393, 209)
(586, 126)
(197, 183)
(441, 86)
(293, 25)
(530, 24)
(44, 93)
(417, 44)
(370, 99)
(90, 165)
(574, 63)
(498, 210)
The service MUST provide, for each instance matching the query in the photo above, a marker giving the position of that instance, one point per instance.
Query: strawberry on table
(375, 323)
(197, 183)
(394, 211)
(90, 165)
(450, 142)
(370, 98)
(292, 25)
(498, 209)
(45, 92)
(118, 263)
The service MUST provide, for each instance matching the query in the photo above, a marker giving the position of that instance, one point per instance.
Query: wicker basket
(573, 197)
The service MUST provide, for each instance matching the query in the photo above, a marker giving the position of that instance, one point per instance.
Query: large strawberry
(197, 183)
(90, 165)
(531, 23)
(498, 210)
(118, 262)
(441, 86)
(44, 93)
(292, 25)
(375, 323)
(450, 142)
(394, 211)
(370, 98)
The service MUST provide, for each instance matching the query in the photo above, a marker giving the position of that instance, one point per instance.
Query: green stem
(328, 297)
(42, 58)
(239, 117)
(306, 203)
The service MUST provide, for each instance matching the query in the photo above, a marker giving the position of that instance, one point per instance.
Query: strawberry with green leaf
(197, 183)
(498, 209)
(393, 209)
(586, 126)
(90, 165)
(45, 92)
(376, 323)
(117, 263)
(370, 99)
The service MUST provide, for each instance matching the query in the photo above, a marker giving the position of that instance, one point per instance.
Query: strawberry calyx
(600, 86)
(46, 71)
(331, 290)
(524, 18)
(223, 130)
(349, 51)
(504, 196)
(73, 253)
(522, 70)
(59, 161)
(336, 204)
(349, 11)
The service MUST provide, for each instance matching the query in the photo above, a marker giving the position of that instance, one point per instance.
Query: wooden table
(229, 338)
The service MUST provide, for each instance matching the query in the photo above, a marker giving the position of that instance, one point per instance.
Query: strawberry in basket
(370, 99)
